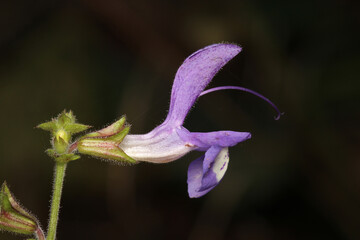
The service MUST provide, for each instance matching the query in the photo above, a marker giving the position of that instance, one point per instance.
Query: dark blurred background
(297, 178)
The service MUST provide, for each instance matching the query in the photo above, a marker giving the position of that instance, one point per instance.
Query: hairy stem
(55, 202)
(40, 234)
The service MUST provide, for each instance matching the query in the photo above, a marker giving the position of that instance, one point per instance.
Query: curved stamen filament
(245, 90)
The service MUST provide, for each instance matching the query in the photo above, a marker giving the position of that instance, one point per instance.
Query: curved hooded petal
(193, 76)
(206, 172)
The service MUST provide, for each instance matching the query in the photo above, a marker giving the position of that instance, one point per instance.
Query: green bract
(62, 128)
(13, 217)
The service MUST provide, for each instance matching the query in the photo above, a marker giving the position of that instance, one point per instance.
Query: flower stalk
(56, 198)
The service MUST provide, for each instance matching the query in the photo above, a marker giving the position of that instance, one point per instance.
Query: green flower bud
(61, 129)
(13, 217)
(61, 141)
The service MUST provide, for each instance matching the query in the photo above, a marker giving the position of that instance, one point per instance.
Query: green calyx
(62, 128)
(105, 142)
(110, 130)
(13, 217)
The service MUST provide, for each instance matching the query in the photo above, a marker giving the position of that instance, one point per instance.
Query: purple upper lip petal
(171, 141)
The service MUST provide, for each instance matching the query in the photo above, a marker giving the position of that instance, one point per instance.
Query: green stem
(55, 202)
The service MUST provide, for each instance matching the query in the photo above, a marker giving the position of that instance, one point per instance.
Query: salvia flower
(171, 141)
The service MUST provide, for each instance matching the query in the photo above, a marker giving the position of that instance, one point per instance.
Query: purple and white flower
(170, 141)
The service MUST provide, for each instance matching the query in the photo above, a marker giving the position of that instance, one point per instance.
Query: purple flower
(171, 141)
